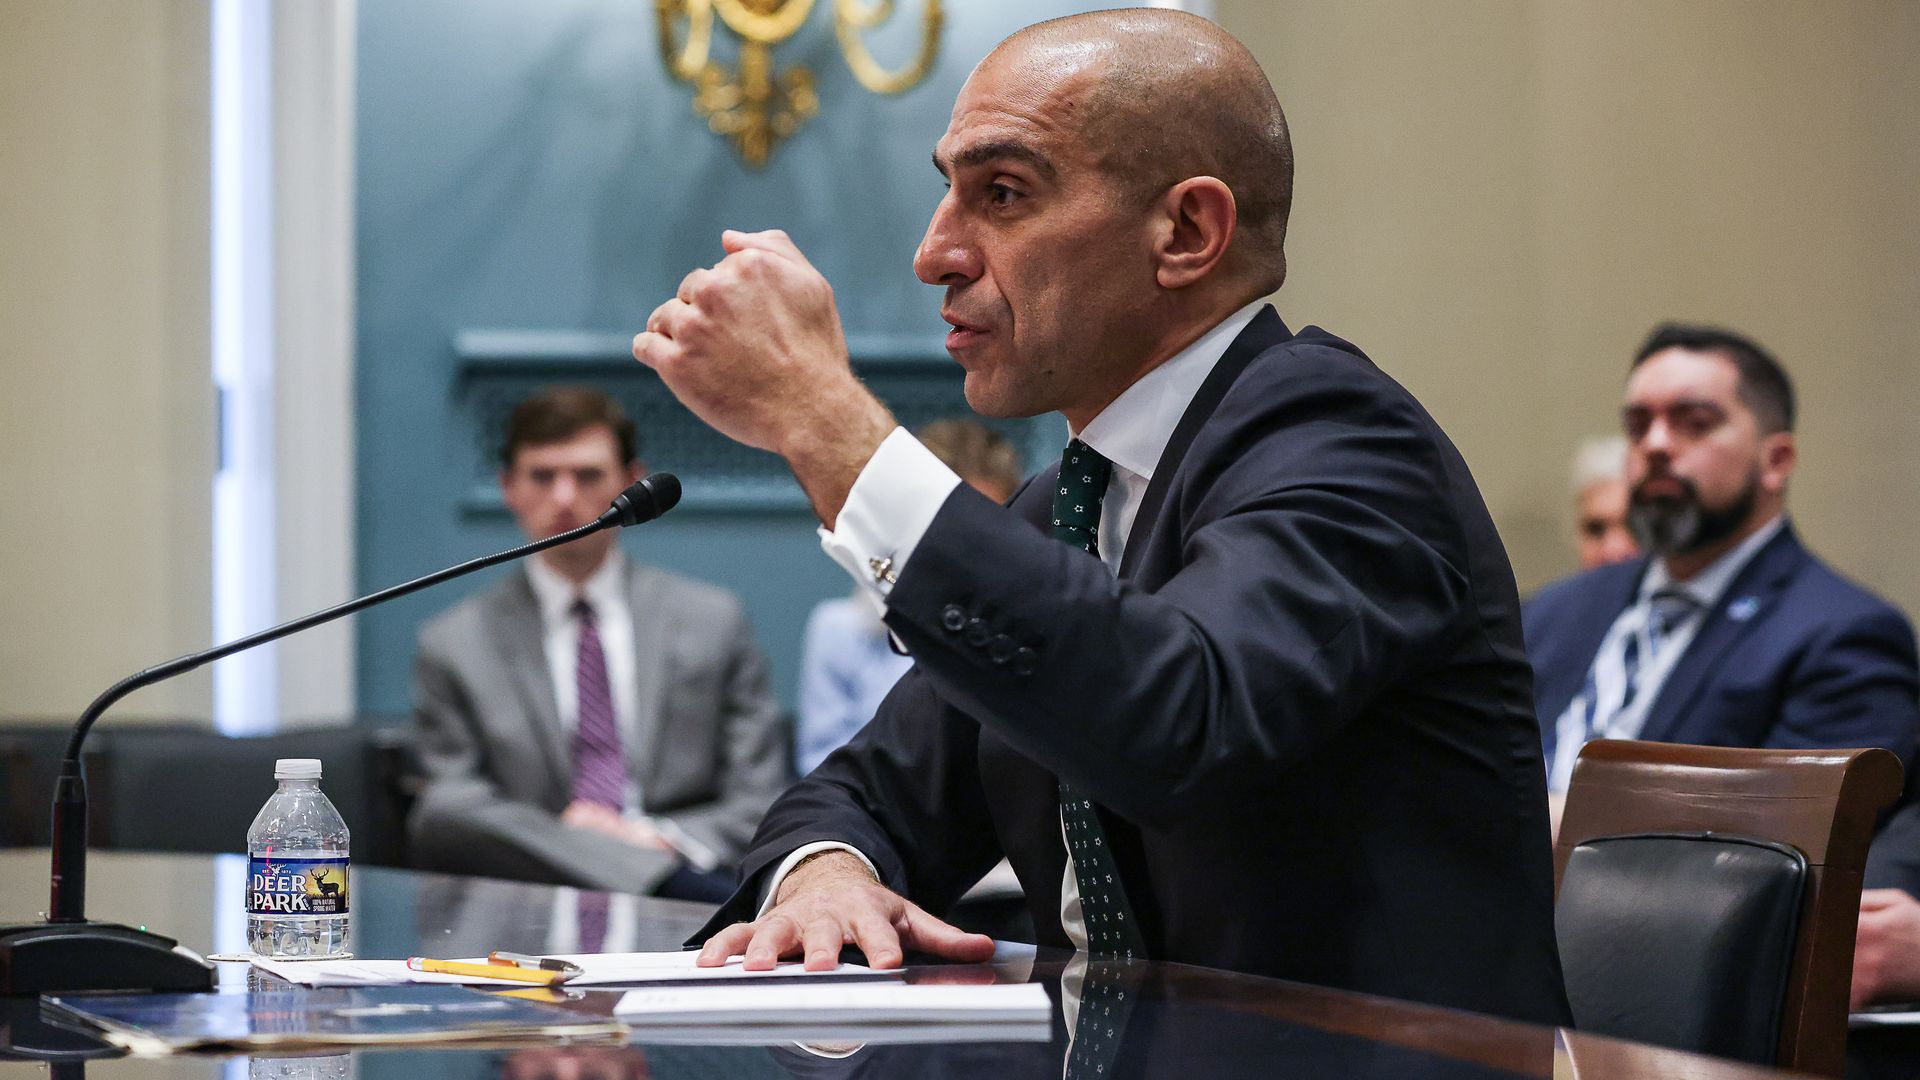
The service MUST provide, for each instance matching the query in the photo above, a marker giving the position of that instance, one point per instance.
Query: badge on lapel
(1743, 609)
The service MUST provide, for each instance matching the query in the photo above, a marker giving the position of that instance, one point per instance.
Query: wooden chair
(1822, 804)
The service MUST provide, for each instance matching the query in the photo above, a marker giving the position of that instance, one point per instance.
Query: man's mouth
(1661, 487)
(961, 332)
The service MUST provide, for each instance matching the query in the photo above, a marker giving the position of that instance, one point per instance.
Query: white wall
(106, 403)
(1497, 200)
(313, 370)
(106, 395)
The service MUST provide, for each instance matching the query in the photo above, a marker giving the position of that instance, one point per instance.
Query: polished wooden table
(1184, 1022)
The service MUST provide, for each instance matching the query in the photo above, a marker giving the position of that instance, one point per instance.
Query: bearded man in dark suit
(1728, 632)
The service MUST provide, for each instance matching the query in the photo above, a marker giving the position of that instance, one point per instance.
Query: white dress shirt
(903, 486)
(1705, 589)
(606, 591)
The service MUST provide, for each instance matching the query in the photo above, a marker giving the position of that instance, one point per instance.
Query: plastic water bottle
(297, 869)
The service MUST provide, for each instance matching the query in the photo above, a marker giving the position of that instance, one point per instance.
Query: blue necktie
(1668, 608)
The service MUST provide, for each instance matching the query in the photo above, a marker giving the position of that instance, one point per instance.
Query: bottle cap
(296, 768)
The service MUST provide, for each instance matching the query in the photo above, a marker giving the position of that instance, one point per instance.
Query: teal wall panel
(531, 183)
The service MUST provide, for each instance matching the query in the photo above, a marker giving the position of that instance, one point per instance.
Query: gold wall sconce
(753, 104)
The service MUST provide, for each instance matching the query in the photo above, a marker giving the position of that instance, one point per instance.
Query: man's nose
(944, 256)
(1658, 437)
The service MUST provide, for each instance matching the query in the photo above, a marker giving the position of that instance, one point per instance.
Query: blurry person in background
(846, 663)
(570, 733)
(1600, 532)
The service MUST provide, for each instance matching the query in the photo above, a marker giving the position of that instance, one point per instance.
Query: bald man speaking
(1241, 683)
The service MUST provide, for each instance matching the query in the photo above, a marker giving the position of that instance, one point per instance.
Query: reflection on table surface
(1173, 1020)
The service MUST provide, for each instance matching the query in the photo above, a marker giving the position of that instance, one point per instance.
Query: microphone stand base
(53, 958)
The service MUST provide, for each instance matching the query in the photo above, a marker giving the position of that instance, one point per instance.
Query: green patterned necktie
(1111, 928)
(1076, 499)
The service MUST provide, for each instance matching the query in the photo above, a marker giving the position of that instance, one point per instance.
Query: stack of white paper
(597, 969)
(861, 1003)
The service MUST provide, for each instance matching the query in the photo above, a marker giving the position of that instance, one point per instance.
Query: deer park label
(296, 886)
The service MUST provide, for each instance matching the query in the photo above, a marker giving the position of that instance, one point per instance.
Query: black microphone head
(652, 496)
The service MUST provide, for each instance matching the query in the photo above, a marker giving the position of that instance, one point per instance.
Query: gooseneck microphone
(68, 952)
(644, 501)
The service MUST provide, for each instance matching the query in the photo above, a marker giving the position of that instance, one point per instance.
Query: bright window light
(244, 686)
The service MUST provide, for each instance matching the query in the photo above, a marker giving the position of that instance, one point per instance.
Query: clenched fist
(754, 347)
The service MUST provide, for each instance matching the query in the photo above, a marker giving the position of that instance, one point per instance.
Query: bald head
(1161, 96)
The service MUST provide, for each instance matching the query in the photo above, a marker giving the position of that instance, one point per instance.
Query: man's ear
(636, 470)
(1778, 455)
(1195, 227)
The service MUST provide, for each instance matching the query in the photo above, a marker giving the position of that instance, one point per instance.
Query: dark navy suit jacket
(1304, 702)
(1792, 656)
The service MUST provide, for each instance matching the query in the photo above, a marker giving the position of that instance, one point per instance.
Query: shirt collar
(1134, 429)
(555, 594)
(1707, 586)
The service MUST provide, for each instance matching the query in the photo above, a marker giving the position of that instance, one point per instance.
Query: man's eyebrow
(1684, 401)
(1005, 149)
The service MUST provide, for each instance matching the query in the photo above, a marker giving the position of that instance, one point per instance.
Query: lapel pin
(1743, 609)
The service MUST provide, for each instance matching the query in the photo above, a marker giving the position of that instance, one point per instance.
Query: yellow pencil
(487, 971)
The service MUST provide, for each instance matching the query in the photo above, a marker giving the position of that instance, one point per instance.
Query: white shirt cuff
(793, 860)
(891, 505)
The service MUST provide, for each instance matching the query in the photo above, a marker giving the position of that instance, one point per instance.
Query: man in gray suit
(591, 721)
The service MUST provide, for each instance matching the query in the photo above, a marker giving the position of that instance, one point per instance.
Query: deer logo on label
(327, 888)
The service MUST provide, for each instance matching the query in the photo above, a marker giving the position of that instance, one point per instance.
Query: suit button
(953, 617)
(1025, 660)
(1001, 649)
(979, 633)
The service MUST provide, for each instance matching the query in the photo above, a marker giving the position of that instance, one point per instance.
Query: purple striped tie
(599, 770)
(593, 911)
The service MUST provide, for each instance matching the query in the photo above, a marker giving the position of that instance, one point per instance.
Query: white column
(244, 686)
(283, 354)
(313, 75)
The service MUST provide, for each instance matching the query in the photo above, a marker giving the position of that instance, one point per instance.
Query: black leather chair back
(185, 788)
(1682, 940)
(32, 754)
(16, 792)
(174, 789)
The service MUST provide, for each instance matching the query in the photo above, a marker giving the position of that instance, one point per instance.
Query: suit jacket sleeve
(755, 747)
(1321, 562)
(906, 791)
(462, 823)
(1856, 686)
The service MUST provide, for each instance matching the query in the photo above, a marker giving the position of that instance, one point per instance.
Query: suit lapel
(649, 674)
(1754, 589)
(1265, 331)
(522, 641)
